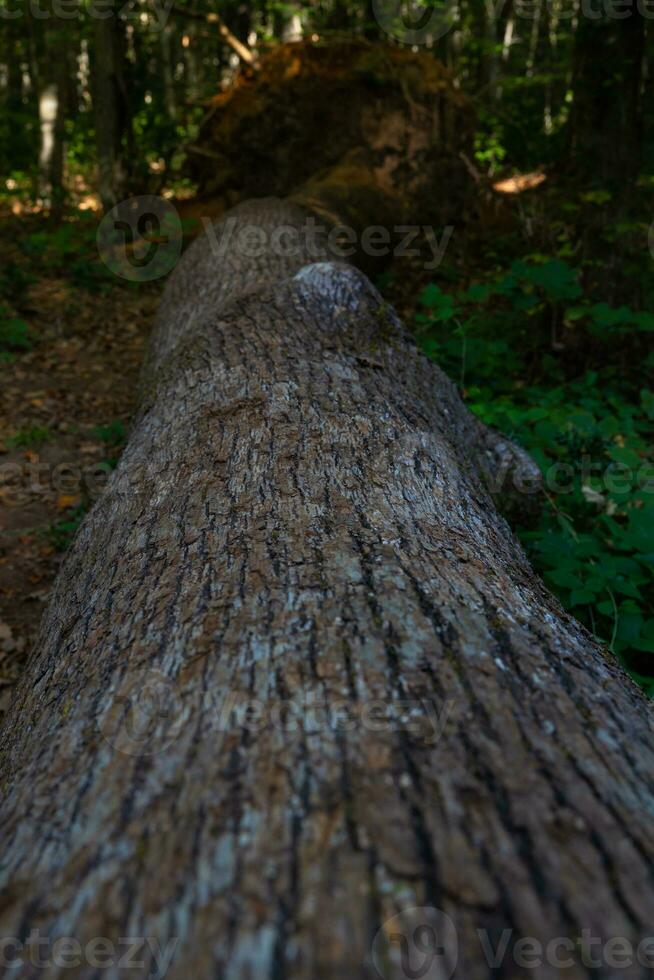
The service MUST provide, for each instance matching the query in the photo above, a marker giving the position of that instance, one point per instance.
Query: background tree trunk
(64, 86)
(606, 119)
(301, 519)
(111, 107)
(166, 38)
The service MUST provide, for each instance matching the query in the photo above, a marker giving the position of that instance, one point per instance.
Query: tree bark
(65, 78)
(605, 129)
(301, 518)
(111, 108)
(168, 70)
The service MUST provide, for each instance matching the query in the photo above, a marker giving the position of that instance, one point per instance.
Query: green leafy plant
(112, 434)
(68, 250)
(591, 436)
(31, 438)
(14, 332)
(61, 533)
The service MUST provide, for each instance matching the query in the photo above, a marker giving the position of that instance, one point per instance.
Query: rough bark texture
(301, 514)
(110, 104)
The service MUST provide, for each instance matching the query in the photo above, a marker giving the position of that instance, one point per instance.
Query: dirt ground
(64, 407)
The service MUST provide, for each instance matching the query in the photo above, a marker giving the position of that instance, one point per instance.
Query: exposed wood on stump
(393, 115)
(301, 516)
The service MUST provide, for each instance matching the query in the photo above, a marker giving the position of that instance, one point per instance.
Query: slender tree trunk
(64, 72)
(12, 56)
(533, 39)
(339, 18)
(606, 120)
(48, 114)
(491, 45)
(297, 674)
(111, 107)
(35, 44)
(14, 98)
(168, 69)
(193, 86)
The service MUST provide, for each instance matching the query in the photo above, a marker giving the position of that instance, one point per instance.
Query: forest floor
(65, 404)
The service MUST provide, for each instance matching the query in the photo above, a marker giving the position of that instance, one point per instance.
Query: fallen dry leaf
(67, 500)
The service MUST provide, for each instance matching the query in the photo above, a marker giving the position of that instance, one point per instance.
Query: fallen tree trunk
(297, 674)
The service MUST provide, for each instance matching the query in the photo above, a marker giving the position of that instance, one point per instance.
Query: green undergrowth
(61, 533)
(558, 372)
